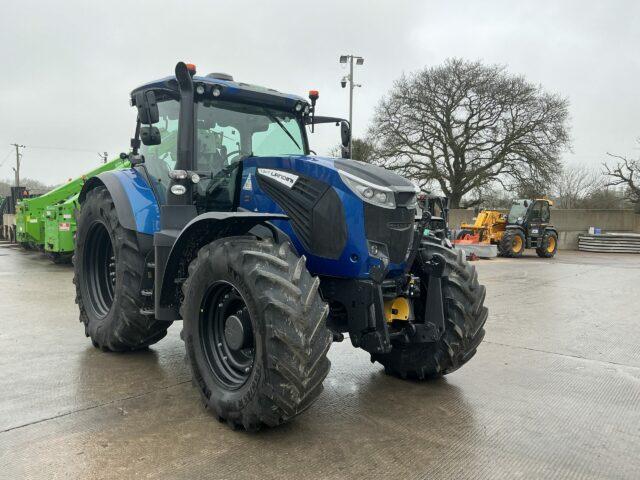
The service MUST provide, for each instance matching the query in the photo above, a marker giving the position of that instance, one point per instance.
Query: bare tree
(467, 125)
(361, 149)
(626, 173)
(605, 198)
(574, 184)
(490, 198)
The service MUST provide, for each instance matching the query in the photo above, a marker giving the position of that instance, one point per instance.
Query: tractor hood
(335, 208)
(375, 175)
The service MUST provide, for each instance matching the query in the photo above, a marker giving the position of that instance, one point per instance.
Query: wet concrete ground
(554, 392)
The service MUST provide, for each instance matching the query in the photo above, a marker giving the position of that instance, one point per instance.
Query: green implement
(60, 229)
(48, 222)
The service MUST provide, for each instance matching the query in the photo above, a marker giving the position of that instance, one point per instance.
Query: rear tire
(512, 244)
(465, 316)
(108, 267)
(278, 370)
(549, 245)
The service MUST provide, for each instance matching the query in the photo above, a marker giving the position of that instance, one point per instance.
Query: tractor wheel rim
(100, 268)
(517, 244)
(226, 334)
(552, 245)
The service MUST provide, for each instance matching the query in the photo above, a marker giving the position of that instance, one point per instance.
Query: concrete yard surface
(553, 392)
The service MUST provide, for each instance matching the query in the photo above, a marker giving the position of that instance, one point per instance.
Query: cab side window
(536, 211)
(546, 214)
(160, 159)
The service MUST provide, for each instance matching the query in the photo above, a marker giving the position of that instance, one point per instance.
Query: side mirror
(150, 136)
(345, 136)
(147, 107)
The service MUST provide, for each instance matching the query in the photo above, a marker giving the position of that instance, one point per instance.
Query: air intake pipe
(186, 132)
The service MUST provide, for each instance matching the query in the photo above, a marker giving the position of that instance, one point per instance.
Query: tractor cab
(523, 212)
(220, 125)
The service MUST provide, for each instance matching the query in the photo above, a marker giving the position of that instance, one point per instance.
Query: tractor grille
(315, 211)
(394, 228)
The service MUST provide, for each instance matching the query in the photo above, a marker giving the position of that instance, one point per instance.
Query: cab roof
(230, 91)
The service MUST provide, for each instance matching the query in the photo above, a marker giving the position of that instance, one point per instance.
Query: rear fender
(172, 268)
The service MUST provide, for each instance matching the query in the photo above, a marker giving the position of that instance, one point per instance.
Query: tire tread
(294, 315)
(465, 316)
(129, 329)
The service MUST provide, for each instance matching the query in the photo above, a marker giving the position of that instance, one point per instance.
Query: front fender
(515, 227)
(174, 253)
(133, 197)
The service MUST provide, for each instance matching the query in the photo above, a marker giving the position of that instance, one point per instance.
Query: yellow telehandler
(527, 225)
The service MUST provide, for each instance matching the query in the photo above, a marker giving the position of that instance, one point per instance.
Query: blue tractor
(266, 252)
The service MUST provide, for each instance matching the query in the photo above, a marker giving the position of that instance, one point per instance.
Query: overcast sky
(67, 67)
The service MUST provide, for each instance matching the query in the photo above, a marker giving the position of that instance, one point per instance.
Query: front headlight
(369, 192)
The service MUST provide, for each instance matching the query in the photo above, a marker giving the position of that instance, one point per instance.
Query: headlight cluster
(302, 107)
(369, 192)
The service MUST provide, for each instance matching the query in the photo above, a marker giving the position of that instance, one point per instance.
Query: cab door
(160, 159)
(536, 222)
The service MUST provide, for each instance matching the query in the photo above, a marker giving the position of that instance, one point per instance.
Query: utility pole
(17, 167)
(104, 156)
(349, 79)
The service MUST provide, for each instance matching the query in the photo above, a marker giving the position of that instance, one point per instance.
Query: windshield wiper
(280, 124)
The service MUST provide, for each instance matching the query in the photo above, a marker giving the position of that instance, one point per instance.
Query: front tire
(512, 244)
(255, 331)
(108, 267)
(465, 316)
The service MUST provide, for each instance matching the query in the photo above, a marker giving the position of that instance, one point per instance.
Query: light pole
(349, 79)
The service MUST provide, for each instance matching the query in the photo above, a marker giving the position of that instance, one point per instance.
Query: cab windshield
(518, 209)
(227, 133)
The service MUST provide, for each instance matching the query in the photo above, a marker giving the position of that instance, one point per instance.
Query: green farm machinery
(48, 222)
(60, 229)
